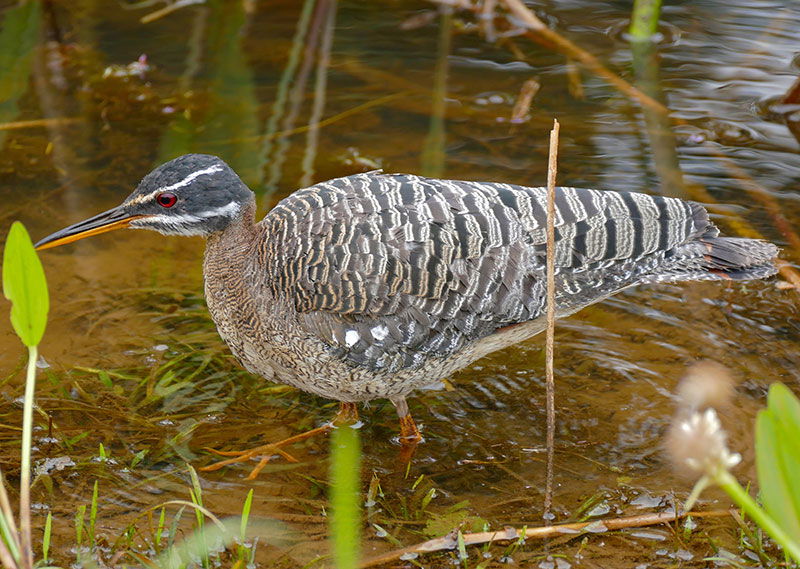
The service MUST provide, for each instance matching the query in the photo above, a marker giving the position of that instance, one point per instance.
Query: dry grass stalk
(38, 123)
(552, 169)
(168, 9)
(522, 107)
(449, 542)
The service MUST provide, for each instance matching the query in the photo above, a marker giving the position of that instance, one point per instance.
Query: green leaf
(25, 286)
(785, 409)
(776, 486)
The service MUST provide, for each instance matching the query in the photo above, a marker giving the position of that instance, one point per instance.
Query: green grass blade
(162, 520)
(248, 502)
(7, 536)
(93, 516)
(345, 506)
(80, 515)
(25, 286)
(48, 527)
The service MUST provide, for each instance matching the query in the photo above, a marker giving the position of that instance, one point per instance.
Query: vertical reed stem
(25, 464)
(551, 312)
(345, 497)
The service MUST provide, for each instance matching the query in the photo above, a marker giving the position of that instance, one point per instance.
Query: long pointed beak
(115, 218)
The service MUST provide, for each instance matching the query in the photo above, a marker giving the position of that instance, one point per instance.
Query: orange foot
(409, 438)
(348, 414)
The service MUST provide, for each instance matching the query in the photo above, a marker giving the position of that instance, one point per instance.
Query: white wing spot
(351, 338)
(380, 332)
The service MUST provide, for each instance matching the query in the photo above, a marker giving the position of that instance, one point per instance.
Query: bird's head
(194, 194)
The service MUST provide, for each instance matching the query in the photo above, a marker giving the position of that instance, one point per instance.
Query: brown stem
(449, 542)
(552, 169)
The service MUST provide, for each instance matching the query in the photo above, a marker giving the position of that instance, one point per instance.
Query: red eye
(166, 199)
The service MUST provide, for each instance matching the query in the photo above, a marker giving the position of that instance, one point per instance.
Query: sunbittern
(373, 285)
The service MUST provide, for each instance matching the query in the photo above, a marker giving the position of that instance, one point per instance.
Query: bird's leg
(409, 433)
(348, 414)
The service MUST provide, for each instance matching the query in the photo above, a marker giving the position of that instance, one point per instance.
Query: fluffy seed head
(705, 384)
(697, 445)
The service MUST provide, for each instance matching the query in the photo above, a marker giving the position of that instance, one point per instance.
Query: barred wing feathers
(390, 270)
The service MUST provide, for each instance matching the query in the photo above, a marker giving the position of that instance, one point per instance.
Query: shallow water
(401, 98)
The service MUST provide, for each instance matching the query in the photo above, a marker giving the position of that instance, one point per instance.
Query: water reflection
(18, 38)
(221, 115)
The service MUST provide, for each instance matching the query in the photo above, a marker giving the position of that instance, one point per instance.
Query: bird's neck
(238, 232)
(227, 251)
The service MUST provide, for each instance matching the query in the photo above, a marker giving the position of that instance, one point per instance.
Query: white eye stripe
(185, 182)
(228, 210)
(190, 178)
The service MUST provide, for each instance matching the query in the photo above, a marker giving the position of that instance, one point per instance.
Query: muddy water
(407, 90)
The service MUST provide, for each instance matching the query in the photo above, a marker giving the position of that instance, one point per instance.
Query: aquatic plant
(24, 284)
(698, 445)
(345, 476)
(644, 19)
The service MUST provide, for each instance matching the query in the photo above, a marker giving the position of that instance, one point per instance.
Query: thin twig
(449, 542)
(37, 123)
(522, 107)
(166, 10)
(486, 16)
(552, 169)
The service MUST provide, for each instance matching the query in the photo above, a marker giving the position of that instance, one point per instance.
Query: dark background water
(407, 89)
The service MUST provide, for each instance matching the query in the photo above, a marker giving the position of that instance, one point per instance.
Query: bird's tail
(711, 257)
(719, 258)
(738, 258)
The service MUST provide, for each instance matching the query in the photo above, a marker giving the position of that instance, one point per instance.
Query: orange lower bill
(72, 237)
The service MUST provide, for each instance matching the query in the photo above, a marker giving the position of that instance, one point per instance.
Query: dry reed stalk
(449, 542)
(792, 96)
(37, 123)
(552, 170)
(522, 107)
(168, 9)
